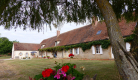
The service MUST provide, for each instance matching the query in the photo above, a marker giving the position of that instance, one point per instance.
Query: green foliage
(85, 46)
(129, 38)
(37, 77)
(71, 72)
(5, 45)
(52, 12)
(134, 44)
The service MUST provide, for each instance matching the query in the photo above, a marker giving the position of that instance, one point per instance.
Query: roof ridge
(26, 43)
(77, 28)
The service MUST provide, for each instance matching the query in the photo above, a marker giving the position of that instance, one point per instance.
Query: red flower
(65, 68)
(74, 66)
(71, 55)
(47, 72)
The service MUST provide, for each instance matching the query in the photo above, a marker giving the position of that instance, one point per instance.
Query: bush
(65, 72)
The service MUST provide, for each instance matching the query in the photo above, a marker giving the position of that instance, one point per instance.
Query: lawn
(5, 57)
(22, 69)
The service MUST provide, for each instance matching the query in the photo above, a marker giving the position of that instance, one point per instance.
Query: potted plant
(71, 55)
(48, 57)
(44, 57)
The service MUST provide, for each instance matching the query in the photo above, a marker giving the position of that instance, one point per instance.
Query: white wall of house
(42, 54)
(13, 51)
(49, 54)
(96, 52)
(16, 54)
(66, 53)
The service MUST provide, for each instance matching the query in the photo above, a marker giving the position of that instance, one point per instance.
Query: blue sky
(33, 36)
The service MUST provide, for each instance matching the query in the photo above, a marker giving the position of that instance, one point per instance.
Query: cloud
(33, 36)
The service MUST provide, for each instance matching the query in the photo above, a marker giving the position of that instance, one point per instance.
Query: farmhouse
(91, 42)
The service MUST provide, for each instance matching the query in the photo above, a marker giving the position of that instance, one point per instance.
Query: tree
(134, 43)
(5, 45)
(34, 13)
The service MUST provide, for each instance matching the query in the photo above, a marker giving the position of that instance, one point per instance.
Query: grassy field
(22, 69)
(5, 57)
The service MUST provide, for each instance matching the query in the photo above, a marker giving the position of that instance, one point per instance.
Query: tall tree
(34, 13)
(5, 45)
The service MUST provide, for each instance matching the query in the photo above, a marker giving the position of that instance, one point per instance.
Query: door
(26, 55)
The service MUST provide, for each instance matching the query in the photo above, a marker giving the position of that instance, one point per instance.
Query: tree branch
(129, 56)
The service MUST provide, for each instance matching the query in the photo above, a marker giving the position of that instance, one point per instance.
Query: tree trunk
(126, 64)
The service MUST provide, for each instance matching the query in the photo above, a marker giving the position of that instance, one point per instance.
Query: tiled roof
(84, 34)
(50, 42)
(87, 33)
(26, 46)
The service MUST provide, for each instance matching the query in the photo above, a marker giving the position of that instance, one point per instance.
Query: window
(97, 49)
(40, 53)
(42, 46)
(57, 42)
(99, 32)
(26, 54)
(70, 50)
(20, 54)
(65, 51)
(77, 50)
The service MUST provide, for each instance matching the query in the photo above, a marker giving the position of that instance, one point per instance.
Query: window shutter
(101, 51)
(93, 50)
(127, 46)
(78, 51)
(73, 50)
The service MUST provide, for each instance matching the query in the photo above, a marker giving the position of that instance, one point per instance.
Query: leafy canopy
(34, 13)
(6, 45)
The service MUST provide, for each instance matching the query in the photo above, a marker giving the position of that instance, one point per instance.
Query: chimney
(94, 21)
(58, 33)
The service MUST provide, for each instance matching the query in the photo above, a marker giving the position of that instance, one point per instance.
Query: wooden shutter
(73, 51)
(127, 46)
(101, 51)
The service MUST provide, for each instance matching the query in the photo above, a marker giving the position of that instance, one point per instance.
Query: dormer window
(57, 42)
(42, 46)
(98, 32)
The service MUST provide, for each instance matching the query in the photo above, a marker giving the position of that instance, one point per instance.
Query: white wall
(12, 51)
(16, 53)
(49, 54)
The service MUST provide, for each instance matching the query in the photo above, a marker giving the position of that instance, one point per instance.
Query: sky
(33, 36)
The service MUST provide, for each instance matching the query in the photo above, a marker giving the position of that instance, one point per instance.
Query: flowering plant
(48, 57)
(65, 72)
(71, 55)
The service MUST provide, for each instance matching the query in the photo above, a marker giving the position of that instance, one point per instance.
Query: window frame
(20, 54)
(97, 46)
(71, 51)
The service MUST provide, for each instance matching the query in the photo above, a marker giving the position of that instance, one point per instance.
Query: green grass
(5, 57)
(105, 70)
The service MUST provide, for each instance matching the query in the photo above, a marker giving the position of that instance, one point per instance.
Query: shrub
(65, 72)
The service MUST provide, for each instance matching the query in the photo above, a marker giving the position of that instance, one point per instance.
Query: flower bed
(65, 72)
